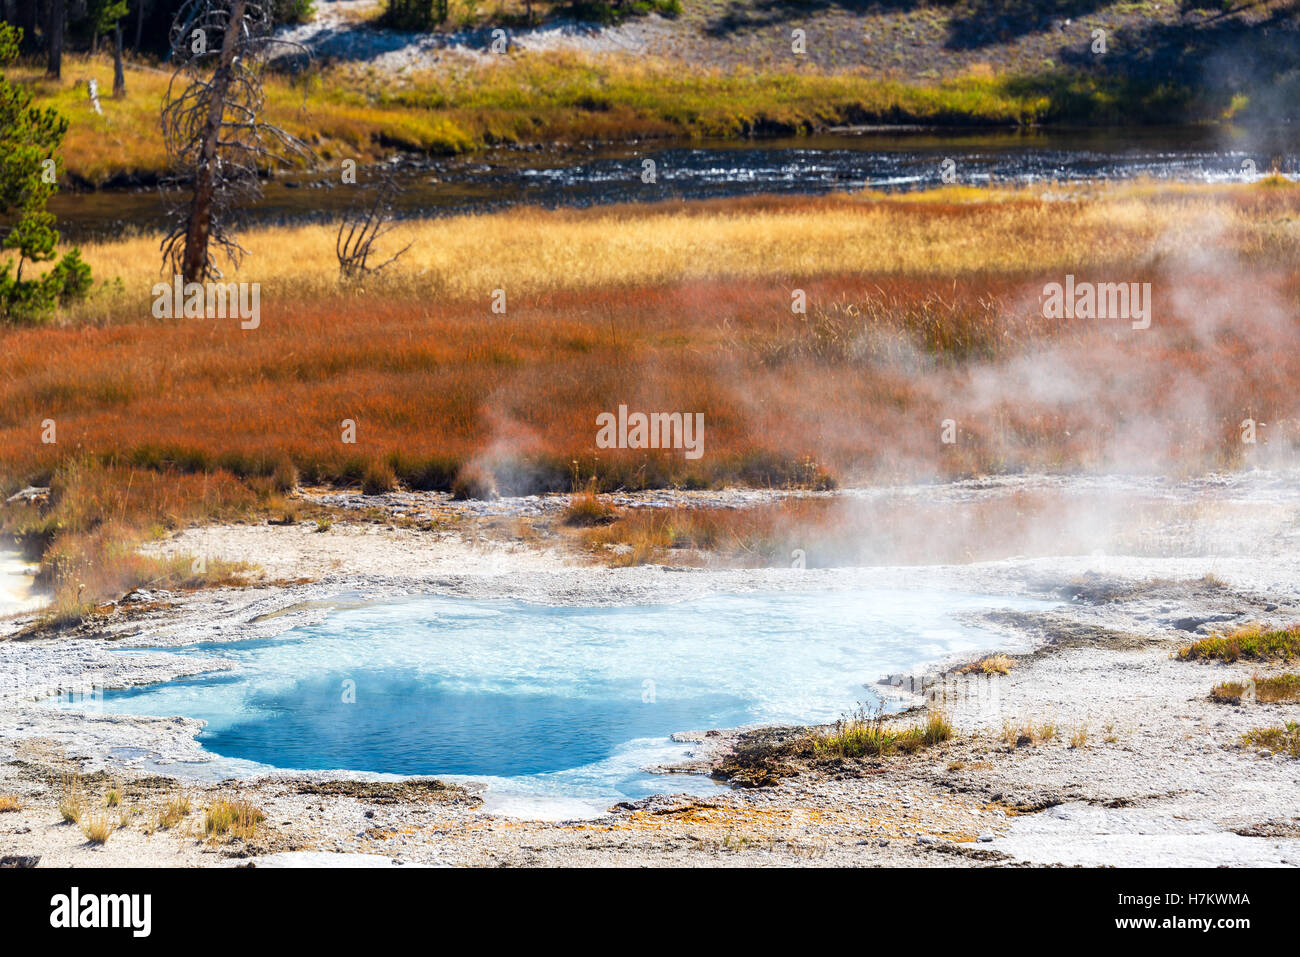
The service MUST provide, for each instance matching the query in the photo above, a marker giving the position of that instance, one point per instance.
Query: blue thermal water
(565, 702)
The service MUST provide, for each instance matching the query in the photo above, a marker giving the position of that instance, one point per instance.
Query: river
(700, 169)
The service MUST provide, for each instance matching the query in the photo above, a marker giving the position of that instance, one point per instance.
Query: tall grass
(232, 818)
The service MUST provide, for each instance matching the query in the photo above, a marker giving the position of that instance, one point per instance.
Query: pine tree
(106, 16)
(28, 176)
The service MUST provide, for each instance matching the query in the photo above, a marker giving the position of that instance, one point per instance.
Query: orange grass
(859, 386)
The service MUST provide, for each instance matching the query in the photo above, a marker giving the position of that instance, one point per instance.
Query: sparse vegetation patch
(1283, 740)
(1266, 690)
(1252, 642)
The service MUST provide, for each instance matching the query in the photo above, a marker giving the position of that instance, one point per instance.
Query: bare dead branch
(367, 222)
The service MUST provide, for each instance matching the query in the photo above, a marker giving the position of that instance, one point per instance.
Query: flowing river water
(701, 169)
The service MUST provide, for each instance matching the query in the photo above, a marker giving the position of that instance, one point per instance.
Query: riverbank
(1141, 766)
(543, 99)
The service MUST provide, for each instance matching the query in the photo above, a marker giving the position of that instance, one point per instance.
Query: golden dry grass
(231, 818)
(867, 735)
(530, 252)
(992, 665)
(71, 801)
(98, 828)
(172, 811)
(1279, 740)
(1266, 690)
(10, 802)
(1021, 733)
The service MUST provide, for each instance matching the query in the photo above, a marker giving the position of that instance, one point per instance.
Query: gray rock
(1196, 622)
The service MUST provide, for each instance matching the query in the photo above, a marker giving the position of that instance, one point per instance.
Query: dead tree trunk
(195, 263)
(216, 141)
(54, 29)
(30, 15)
(119, 75)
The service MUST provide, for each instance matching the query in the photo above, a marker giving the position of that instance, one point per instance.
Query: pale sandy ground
(339, 31)
(1160, 779)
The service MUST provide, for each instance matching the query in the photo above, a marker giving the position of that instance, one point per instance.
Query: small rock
(985, 838)
(927, 839)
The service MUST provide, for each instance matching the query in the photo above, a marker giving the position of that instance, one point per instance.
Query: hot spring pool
(552, 704)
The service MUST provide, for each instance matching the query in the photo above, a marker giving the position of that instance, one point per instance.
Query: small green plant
(414, 14)
(113, 797)
(324, 525)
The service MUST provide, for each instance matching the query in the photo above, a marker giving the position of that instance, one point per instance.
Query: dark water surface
(702, 169)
